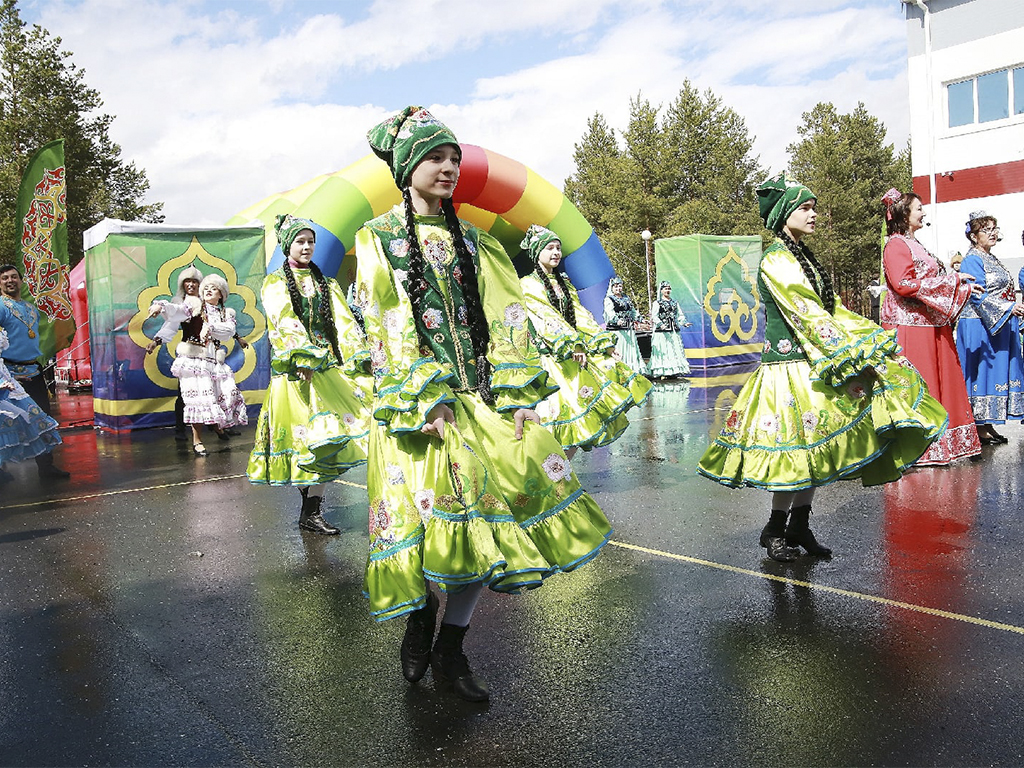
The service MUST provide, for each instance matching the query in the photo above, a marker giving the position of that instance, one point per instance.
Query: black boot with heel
(311, 518)
(450, 665)
(419, 637)
(773, 538)
(798, 533)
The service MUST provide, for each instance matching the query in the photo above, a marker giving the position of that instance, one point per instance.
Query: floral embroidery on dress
(828, 333)
(298, 433)
(797, 322)
(470, 246)
(586, 392)
(432, 319)
(557, 467)
(395, 474)
(810, 420)
(801, 305)
(348, 419)
(462, 314)
(733, 422)
(769, 423)
(856, 389)
(399, 247)
(424, 500)
(378, 357)
(515, 316)
(391, 321)
(307, 287)
(785, 346)
(434, 252)
(457, 274)
(767, 346)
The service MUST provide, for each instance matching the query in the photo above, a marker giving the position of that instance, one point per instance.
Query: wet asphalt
(156, 609)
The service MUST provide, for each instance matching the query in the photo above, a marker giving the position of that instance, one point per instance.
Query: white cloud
(222, 113)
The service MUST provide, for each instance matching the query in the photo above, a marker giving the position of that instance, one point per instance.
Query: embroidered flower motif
(457, 274)
(769, 423)
(378, 357)
(399, 248)
(435, 252)
(810, 420)
(586, 392)
(789, 401)
(856, 389)
(395, 474)
(767, 346)
(733, 422)
(557, 467)
(785, 346)
(800, 304)
(515, 316)
(462, 314)
(359, 393)
(827, 332)
(469, 245)
(391, 321)
(424, 500)
(307, 287)
(348, 419)
(380, 517)
(432, 319)
(299, 434)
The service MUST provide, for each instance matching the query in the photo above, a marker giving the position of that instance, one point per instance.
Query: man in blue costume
(21, 321)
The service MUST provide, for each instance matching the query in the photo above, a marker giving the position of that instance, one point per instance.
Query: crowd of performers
(466, 390)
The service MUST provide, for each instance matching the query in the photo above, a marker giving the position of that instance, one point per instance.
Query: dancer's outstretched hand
(439, 415)
(521, 417)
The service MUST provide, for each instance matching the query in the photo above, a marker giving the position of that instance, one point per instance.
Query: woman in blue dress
(668, 355)
(988, 334)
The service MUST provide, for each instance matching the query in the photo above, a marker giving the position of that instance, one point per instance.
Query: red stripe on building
(969, 183)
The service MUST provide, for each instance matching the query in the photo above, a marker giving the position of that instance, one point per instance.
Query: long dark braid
(416, 282)
(478, 327)
(812, 266)
(569, 312)
(325, 309)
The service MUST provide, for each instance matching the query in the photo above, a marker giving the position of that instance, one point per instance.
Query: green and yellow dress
(311, 432)
(831, 400)
(479, 506)
(590, 407)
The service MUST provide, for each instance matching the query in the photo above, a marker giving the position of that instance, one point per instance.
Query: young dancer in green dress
(466, 489)
(315, 421)
(590, 407)
(832, 398)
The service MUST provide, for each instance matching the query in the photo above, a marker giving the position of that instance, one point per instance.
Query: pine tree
(43, 96)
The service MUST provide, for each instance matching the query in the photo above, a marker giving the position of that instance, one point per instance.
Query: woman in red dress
(922, 303)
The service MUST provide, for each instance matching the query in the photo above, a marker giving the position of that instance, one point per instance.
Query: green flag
(43, 245)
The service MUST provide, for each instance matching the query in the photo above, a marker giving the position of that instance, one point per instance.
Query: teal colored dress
(311, 432)
(478, 506)
(831, 400)
(668, 355)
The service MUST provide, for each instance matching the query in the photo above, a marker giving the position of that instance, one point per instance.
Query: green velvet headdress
(536, 239)
(778, 197)
(287, 229)
(403, 139)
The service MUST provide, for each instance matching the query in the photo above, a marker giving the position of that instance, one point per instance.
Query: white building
(966, 74)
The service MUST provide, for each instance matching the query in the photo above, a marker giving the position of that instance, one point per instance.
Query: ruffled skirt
(25, 429)
(638, 385)
(476, 507)
(668, 355)
(589, 410)
(629, 350)
(788, 433)
(209, 392)
(311, 432)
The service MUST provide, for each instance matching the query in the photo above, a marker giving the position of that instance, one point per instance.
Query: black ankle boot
(798, 533)
(773, 538)
(450, 665)
(312, 519)
(419, 637)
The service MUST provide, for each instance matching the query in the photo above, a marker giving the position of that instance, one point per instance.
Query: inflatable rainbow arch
(495, 193)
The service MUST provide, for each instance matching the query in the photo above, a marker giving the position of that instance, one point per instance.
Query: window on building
(1018, 91)
(961, 103)
(985, 98)
(993, 96)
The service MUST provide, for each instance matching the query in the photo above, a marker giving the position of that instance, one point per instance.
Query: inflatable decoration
(495, 193)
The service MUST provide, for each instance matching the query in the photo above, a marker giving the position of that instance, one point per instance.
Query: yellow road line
(825, 588)
(622, 545)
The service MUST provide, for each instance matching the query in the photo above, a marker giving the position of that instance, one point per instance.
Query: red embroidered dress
(922, 303)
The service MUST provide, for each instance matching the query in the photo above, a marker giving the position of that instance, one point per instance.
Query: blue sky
(226, 102)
